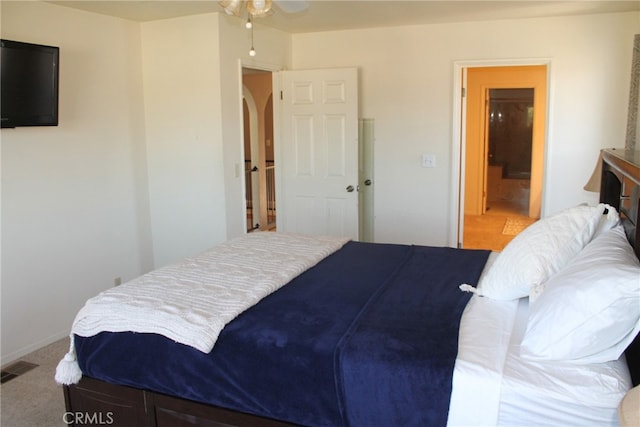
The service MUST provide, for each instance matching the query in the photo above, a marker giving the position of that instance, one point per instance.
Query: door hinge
(281, 96)
(464, 92)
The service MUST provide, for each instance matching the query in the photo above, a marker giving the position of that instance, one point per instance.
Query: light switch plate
(428, 160)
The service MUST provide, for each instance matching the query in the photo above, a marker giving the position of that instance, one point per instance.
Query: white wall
(74, 206)
(180, 60)
(406, 85)
(193, 110)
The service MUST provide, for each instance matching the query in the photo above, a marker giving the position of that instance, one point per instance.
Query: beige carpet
(513, 226)
(33, 399)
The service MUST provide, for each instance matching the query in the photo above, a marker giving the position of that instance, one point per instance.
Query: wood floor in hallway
(488, 231)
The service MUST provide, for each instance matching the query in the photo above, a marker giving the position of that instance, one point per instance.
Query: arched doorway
(260, 194)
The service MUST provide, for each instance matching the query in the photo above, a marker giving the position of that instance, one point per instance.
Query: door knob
(367, 182)
(350, 189)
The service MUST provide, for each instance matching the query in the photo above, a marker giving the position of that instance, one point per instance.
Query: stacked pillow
(583, 282)
(590, 311)
(541, 250)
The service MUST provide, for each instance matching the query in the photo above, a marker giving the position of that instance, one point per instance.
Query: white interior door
(318, 148)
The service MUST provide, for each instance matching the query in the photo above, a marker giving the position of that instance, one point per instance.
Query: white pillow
(607, 221)
(539, 251)
(590, 311)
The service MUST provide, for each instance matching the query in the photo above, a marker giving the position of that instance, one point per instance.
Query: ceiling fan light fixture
(231, 7)
(259, 8)
(252, 51)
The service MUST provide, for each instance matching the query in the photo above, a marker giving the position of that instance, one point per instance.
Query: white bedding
(493, 385)
(190, 302)
(559, 393)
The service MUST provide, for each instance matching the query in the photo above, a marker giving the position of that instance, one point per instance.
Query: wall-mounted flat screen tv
(29, 84)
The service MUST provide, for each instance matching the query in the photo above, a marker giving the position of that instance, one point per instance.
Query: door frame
(456, 229)
(254, 65)
(254, 152)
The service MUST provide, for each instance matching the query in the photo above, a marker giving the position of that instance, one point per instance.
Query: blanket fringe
(68, 371)
(468, 288)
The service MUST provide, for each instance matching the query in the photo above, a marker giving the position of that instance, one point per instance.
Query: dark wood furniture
(130, 407)
(126, 406)
(620, 188)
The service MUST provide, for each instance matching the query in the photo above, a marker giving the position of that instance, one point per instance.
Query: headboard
(620, 188)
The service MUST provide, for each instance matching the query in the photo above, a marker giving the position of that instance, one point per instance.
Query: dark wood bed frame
(97, 402)
(620, 188)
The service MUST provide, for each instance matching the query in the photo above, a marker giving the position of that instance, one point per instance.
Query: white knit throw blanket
(191, 302)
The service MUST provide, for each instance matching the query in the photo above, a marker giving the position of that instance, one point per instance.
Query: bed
(382, 334)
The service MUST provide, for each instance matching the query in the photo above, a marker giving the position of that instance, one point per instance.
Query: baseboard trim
(5, 359)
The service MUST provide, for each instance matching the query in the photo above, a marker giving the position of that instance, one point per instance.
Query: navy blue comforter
(367, 337)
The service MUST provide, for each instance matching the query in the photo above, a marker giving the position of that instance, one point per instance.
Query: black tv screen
(29, 84)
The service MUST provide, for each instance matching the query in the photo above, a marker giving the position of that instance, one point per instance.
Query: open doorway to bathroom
(505, 138)
(509, 137)
(259, 159)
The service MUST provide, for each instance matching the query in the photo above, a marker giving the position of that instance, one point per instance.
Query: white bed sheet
(493, 386)
(558, 393)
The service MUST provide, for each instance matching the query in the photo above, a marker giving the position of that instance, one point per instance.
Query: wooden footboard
(94, 402)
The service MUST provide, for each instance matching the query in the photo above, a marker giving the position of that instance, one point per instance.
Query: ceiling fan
(262, 8)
